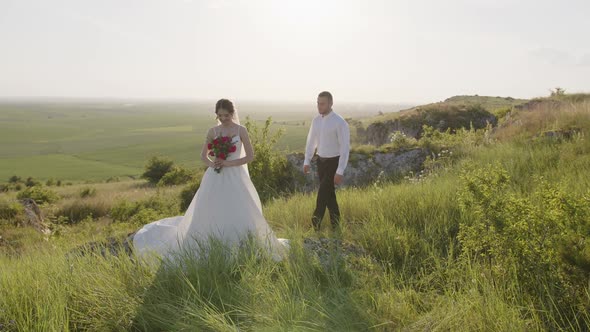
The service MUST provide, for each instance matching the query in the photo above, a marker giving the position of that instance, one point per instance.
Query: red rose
(215, 141)
(225, 139)
(211, 153)
(209, 146)
(233, 148)
(222, 156)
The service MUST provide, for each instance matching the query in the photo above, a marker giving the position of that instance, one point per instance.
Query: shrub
(156, 168)
(145, 216)
(177, 175)
(188, 192)
(78, 210)
(87, 192)
(30, 182)
(39, 194)
(443, 117)
(9, 209)
(541, 240)
(15, 179)
(436, 141)
(502, 112)
(270, 170)
(125, 210)
(113, 179)
(399, 140)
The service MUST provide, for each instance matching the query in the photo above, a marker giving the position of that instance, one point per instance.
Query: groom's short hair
(327, 95)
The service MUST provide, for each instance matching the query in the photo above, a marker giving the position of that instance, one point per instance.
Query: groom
(329, 133)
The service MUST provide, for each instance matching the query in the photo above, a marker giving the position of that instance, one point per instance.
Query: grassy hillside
(491, 236)
(490, 104)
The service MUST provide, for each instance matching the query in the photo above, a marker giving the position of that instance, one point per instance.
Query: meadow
(491, 237)
(93, 140)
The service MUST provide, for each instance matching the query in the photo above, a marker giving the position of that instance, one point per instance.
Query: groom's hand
(338, 179)
(306, 169)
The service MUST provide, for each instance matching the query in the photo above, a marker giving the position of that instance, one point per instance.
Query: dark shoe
(316, 224)
(335, 221)
(336, 230)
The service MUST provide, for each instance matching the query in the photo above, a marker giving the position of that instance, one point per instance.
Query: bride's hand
(219, 163)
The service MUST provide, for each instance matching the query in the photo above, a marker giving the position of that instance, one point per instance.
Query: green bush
(399, 140)
(541, 241)
(125, 210)
(436, 140)
(177, 175)
(39, 194)
(78, 210)
(11, 186)
(145, 216)
(30, 182)
(502, 112)
(188, 192)
(270, 170)
(15, 179)
(156, 168)
(87, 192)
(451, 117)
(9, 209)
(113, 179)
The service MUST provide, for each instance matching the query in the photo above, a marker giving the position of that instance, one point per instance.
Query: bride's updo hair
(226, 104)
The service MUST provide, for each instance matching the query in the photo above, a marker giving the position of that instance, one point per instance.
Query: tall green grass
(425, 268)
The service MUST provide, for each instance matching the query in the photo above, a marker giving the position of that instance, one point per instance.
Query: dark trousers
(326, 193)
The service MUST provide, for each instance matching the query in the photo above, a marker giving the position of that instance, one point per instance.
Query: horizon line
(203, 99)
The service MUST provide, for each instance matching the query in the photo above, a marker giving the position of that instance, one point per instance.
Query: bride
(226, 206)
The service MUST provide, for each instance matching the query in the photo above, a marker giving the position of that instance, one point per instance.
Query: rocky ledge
(363, 168)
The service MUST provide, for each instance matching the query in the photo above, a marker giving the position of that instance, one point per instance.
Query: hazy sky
(362, 50)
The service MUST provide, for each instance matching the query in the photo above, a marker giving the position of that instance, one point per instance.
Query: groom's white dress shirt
(330, 134)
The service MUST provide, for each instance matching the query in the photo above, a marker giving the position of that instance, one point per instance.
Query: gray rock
(565, 134)
(112, 245)
(363, 169)
(378, 133)
(33, 215)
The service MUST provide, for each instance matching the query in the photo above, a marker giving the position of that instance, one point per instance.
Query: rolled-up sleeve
(344, 142)
(312, 142)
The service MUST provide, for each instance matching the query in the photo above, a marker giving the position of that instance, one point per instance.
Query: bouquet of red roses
(221, 147)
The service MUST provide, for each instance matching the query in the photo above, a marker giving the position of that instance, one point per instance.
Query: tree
(156, 168)
(557, 92)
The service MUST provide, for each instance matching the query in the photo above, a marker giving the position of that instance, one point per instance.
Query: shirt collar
(328, 115)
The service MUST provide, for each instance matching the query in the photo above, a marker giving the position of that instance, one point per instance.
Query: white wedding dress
(226, 206)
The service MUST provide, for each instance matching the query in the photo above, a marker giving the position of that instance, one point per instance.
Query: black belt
(328, 158)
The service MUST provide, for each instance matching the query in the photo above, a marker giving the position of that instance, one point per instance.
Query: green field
(94, 140)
